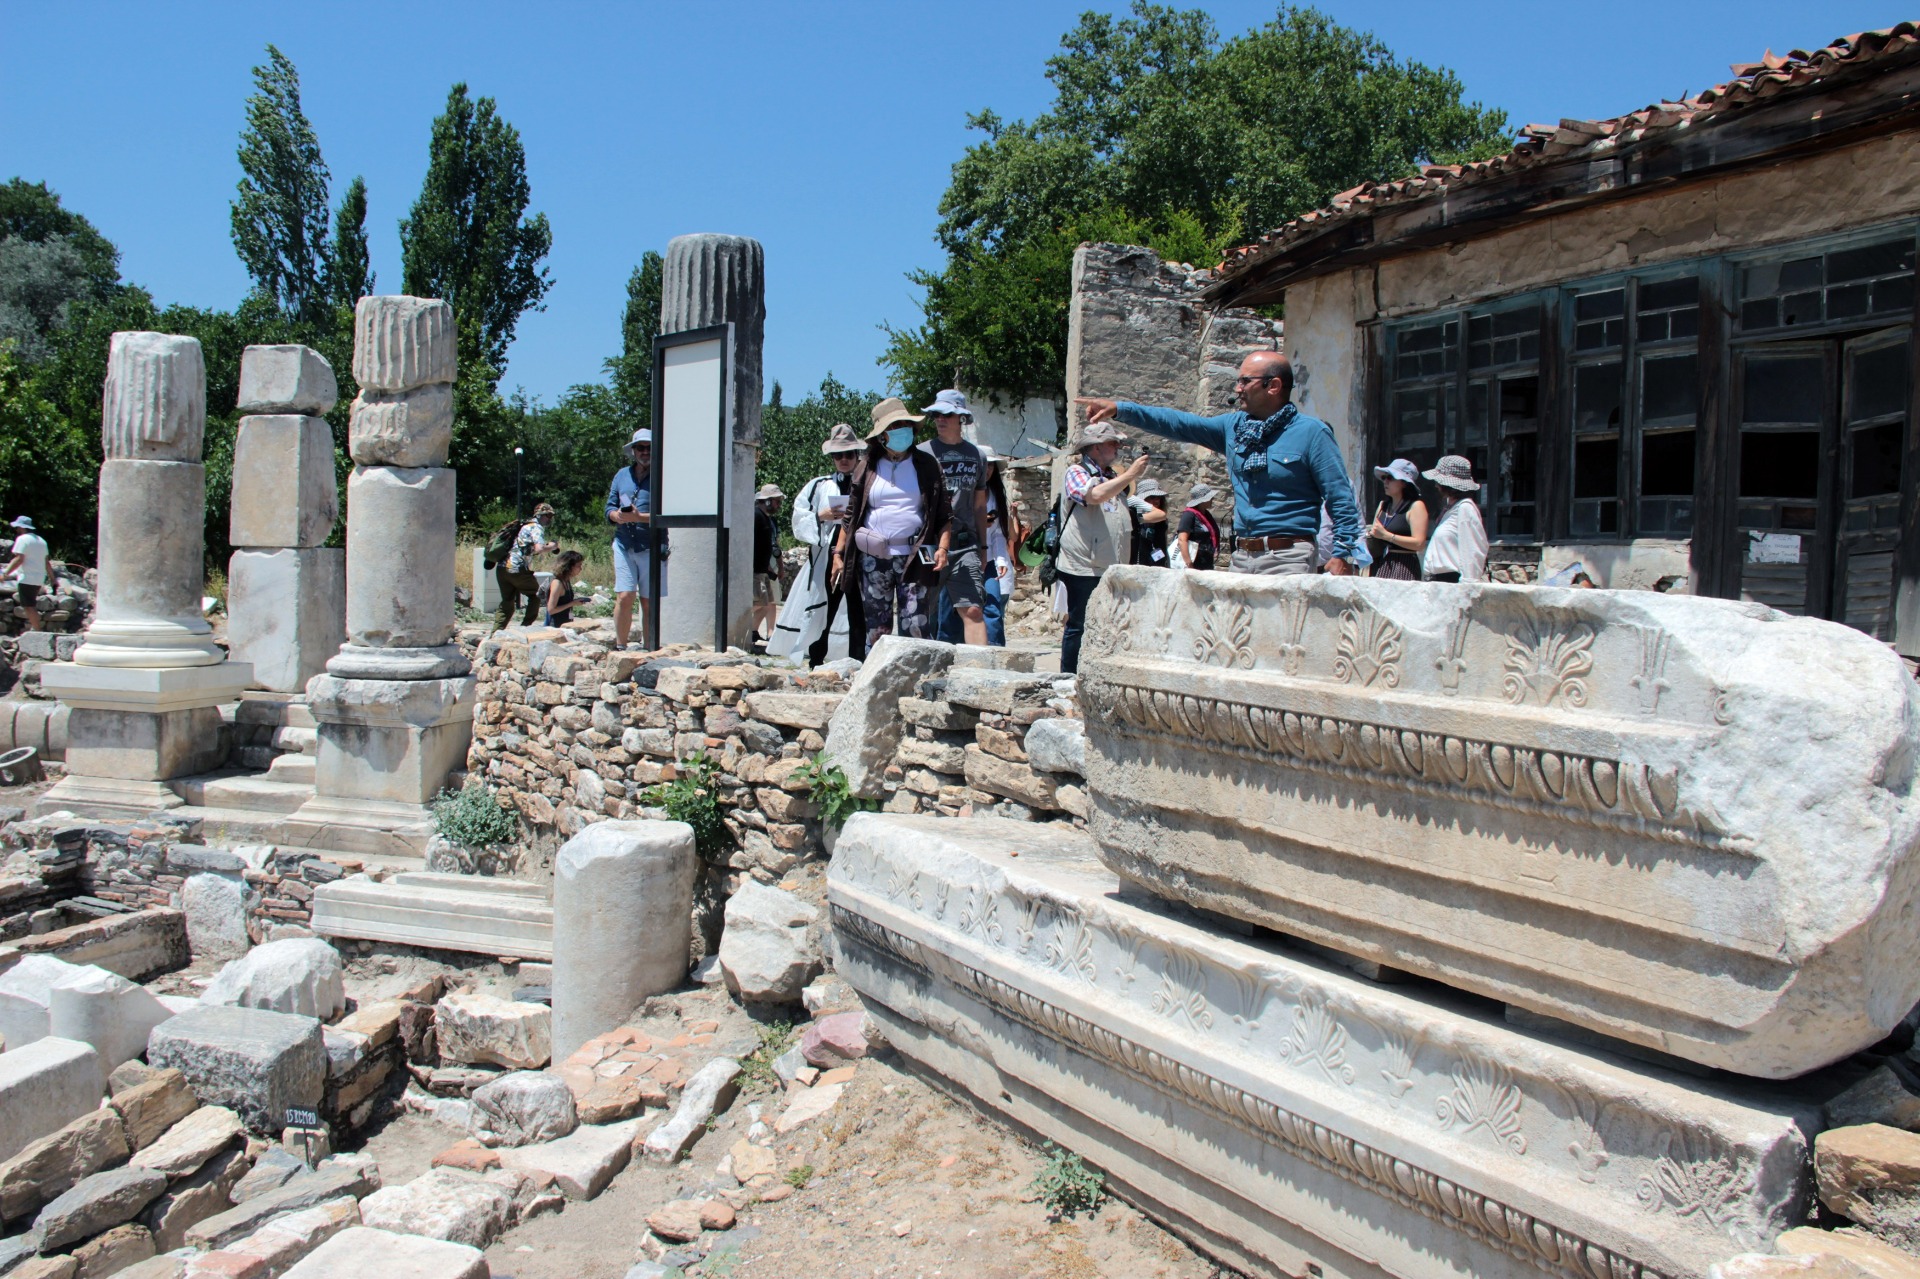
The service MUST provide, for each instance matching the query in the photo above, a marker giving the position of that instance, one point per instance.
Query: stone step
(293, 768)
(254, 758)
(227, 827)
(446, 912)
(305, 741)
(273, 710)
(244, 790)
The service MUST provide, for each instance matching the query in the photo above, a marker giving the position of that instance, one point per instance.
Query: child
(560, 587)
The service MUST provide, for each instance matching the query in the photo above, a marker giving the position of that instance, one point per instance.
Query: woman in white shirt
(897, 530)
(1457, 546)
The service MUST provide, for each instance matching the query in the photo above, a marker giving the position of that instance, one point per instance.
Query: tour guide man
(1283, 464)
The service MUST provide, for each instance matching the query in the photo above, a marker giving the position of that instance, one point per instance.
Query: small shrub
(1067, 1186)
(799, 1177)
(473, 818)
(830, 792)
(756, 1068)
(690, 798)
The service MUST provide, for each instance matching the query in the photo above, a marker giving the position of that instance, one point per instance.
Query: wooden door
(1872, 440)
(1787, 439)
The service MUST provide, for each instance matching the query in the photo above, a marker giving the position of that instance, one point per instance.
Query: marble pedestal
(385, 749)
(1289, 1117)
(130, 729)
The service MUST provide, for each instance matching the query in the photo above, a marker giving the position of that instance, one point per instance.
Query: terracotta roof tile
(1752, 82)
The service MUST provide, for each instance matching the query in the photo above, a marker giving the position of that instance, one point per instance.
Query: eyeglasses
(1242, 383)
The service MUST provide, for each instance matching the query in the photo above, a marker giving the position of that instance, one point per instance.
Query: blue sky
(824, 130)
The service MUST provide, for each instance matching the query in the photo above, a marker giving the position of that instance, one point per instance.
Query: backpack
(1046, 540)
(502, 544)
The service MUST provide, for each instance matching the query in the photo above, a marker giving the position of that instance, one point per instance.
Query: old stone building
(1677, 345)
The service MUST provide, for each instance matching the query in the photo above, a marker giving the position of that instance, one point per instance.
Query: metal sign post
(693, 394)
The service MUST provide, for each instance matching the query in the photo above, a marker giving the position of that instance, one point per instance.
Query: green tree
(349, 268)
(1162, 133)
(467, 240)
(280, 212)
(30, 211)
(46, 467)
(791, 436)
(50, 260)
(631, 371)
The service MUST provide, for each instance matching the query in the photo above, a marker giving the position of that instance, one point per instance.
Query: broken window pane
(1876, 459)
(1596, 467)
(1504, 337)
(1599, 319)
(1877, 382)
(1597, 392)
(1669, 389)
(1666, 463)
(1669, 309)
(1780, 464)
(1426, 351)
(1416, 419)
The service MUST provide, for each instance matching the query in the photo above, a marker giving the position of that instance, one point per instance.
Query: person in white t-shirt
(28, 567)
(1457, 547)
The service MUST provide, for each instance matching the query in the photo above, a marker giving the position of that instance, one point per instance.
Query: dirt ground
(898, 1179)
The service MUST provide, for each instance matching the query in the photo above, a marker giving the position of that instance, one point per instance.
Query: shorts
(631, 569)
(764, 591)
(28, 592)
(965, 580)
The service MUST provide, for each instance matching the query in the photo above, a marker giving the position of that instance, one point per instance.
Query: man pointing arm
(1283, 463)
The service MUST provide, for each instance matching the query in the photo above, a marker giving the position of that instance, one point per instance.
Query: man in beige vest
(1097, 532)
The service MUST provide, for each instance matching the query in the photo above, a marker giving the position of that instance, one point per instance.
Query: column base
(356, 661)
(148, 688)
(144, 725)
(108, 798)
(150, 644)
(369, 827)
(392, 741)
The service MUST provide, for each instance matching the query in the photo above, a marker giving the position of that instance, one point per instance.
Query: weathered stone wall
(1138, 330)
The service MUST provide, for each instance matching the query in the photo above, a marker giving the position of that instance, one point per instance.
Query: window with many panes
(1488, 360)
(1636, 404)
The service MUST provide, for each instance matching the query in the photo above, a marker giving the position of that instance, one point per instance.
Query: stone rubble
(523, 1108)
(769, 951)
(475, 1029)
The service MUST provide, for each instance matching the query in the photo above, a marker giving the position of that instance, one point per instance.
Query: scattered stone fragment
(220, 1264)
(282, 1242)
(710, 1091)
(751, 1161)
(1874, 1257)
(716, 1214)
(46, 1268)
(469, 1155)
(582, 1163)
(838, 1075)
(165, 1265)
(834, 1040)
(361, 1253)
(1868, 1173)
(112, 1251)
(444, 1203)
(806, 1105)
(1058, 745)
(521, 1108)
(129, 1074)
(417, 1037)
(43, 1087)
(1881, 1098)
(253, 1062)
(154, 1105)
(191, 1142)
(52, 1165)
(775, 1193)
(1760, 1265)
(302, 976)
(768, 950)
(676, 1222)
(790, 1063)
(332, 1180)
(274, 1169)
(471, 1029)
(188, 1202)
(99, 1202)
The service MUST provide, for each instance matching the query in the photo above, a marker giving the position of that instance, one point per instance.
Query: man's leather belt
(1266, 545)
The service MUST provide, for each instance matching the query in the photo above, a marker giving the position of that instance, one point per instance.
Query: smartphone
(927, 555)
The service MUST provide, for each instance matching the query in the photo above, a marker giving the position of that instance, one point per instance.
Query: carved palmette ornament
(1369, 647)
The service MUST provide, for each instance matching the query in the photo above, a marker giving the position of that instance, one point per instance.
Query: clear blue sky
(824, 130)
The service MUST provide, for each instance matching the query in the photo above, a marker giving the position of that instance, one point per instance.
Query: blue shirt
(1277, 491)
(639, 497)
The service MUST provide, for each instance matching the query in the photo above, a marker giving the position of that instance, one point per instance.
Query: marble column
(286, 589)
(145, 686)
(395, 704)
(714, 279)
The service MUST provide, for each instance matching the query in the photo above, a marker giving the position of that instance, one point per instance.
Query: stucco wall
(1011, 427)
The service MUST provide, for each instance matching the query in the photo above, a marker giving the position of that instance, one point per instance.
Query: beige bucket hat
(841, 439)
(890, 413)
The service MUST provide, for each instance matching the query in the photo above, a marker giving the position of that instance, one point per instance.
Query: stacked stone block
(146, 684)
(395, 706)
(286, 605)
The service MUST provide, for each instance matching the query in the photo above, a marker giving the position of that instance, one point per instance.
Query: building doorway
(1823, 429)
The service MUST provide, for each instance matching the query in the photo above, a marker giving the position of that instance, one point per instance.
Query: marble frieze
(1685, 823)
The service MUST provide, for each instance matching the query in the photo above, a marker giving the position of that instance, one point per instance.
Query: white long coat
(805, 611)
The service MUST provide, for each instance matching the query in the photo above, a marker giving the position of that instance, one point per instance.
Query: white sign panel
(692, 446)
(1773, 548)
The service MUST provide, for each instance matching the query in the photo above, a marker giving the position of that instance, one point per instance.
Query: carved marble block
(400, 343)
(154, 407)
(1290, 1117)
(1686, 823)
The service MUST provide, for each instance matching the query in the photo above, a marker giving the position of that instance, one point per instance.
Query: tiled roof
(1541, 144)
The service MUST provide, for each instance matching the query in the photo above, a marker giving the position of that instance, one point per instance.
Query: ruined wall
(1137, 330)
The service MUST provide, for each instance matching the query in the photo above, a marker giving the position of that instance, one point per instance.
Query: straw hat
(767, 491)
(889, 413)
(841, 440)
(1454, 472)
